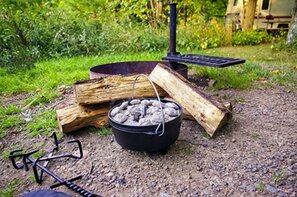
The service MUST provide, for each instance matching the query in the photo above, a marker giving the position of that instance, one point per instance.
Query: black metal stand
(173, 57)
(25, 159)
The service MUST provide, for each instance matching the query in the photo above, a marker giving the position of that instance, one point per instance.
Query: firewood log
(115, 87)
(209, 113)
(78, 116)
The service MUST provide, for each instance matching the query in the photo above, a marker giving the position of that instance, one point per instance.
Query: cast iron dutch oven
(152, 138)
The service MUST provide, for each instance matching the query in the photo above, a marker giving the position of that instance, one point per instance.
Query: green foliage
(203, 35)
(44, 124)
(10, 189)
(252, 37)
(30, 30)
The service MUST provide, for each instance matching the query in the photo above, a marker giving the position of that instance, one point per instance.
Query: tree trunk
(249, 14)
(292, 34)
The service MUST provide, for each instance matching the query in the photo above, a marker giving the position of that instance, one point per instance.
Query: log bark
(209, 113)
(116, 87)
(78, 116)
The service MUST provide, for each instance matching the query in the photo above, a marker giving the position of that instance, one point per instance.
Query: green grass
(41, 97)
(278, 177)
(10, 189)
(255, 135)
(9, 110)
(9, 122)
(48, 75)
(238, 99)
(260, 186)
(263, 66)
(5, 153)
(103, 132)
(45, 123)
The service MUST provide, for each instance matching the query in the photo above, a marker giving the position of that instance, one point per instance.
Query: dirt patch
(254, 155)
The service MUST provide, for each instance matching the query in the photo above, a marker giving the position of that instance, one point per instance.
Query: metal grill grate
(203, 60)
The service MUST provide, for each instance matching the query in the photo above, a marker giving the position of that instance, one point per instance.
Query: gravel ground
(254, 155)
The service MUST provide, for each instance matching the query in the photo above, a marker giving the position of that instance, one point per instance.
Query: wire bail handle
(155, 89)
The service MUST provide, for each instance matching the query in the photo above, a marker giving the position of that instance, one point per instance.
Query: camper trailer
(269, 14)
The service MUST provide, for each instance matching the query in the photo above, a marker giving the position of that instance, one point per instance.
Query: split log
(188, 116)
(78, 116)
(115, 87)
(209, 113)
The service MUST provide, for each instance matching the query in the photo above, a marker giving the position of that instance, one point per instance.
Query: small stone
(136, 109)
(115, 111)
(110, 174)
(254, 169)
(211, 82)
(205, 144)
(282, 194)
(162, 194)
(265, 170)
(271, 189)
(135, 101)
(144, 122)
(205, 193)
(251, 188)
(293, 168)
(180, 190)
(156, 103)
(124, 105)
(233, 140)
(171, 105)
(120, 118)
(145, 102)
(157, 117)
(120, 181)
(131, 122)
(152, 110)
(171, 112)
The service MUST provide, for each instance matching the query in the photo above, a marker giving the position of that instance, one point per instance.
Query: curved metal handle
(79, 148)
(13, 155)
(155, 89)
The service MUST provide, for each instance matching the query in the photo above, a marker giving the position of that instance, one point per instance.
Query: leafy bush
(252, 37)
(32, 29)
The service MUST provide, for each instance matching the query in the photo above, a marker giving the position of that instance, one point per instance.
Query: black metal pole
(172, 28)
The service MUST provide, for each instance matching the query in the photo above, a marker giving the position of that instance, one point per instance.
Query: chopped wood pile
(94, 98)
